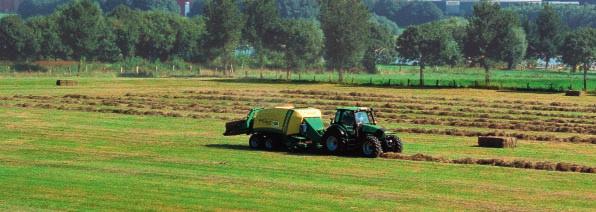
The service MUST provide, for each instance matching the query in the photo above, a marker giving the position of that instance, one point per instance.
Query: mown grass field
(123, 144)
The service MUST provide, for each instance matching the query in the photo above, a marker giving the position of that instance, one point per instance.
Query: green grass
(89, 161)
(388, 74)
(65, 160)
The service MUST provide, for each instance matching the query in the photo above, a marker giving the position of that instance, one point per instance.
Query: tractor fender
(336, 129)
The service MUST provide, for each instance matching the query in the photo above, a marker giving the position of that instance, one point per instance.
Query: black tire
(270, 143)
(332, 143)
(398, 145)
(256, 141)
(371, 147)
(395, 144)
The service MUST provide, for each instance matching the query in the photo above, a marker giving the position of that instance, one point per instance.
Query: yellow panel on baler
(275, 118)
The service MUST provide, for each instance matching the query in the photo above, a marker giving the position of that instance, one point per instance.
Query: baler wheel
(270, 143)
(256, 141)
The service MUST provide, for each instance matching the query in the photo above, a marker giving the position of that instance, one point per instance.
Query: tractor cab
(354, 119)
(355, 128)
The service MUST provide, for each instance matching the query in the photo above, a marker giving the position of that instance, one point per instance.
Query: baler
(353, 128)
(273, 128)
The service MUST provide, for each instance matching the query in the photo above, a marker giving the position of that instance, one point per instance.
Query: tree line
(79, 30)
(493, 35)
(346, 36)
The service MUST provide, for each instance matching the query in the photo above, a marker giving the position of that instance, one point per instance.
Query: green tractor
(355, 128)
(352, 129)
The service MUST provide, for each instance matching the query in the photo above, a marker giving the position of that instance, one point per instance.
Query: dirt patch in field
(521, 164)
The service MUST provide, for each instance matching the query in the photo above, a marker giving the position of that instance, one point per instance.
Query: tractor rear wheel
(332, 143)
(256, 141)
(371, 147)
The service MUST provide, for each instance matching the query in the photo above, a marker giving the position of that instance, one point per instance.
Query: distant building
(462, 7)
(9, 6)
(184, 7)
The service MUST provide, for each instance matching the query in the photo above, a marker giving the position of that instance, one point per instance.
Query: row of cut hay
(127, 111)
(384, 112)
(362, 94)
(157, 104)
(554, 106)
(536, 126)
(522, 164)
(522, 136)
(396, 108)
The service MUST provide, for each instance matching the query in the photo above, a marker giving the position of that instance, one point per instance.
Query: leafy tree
(107, 50)
(261, 20)
(548, 27)
(81, 25)
(224, 26)
(427, 44)
(302, 44)
(46, 34)
(29, 8)
(16, 39)
(157, 35)
(196, 7)
(125, 24)
(387, 8)
(579, 47)
(298, 8)
(110, 5)
(488, 26)
(161, 5)
(345, 24)
(380, 48)
(514, 46)
(384, 22)
(188, 38)
(417, 12)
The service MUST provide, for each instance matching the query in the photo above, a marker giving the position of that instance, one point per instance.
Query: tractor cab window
(347, 118)
(362, 117)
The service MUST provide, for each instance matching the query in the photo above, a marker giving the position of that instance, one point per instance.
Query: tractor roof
(354, 108)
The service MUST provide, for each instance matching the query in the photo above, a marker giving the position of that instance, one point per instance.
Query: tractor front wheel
(256, 141)
(371, 147)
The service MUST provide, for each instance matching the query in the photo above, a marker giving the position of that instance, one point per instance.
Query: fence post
(137, 70)
(121, 69)
(408, 82)
(476, 83)
(528, 86)
(389, 82)
(370, 81)
(437, 83)
(454, 84)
